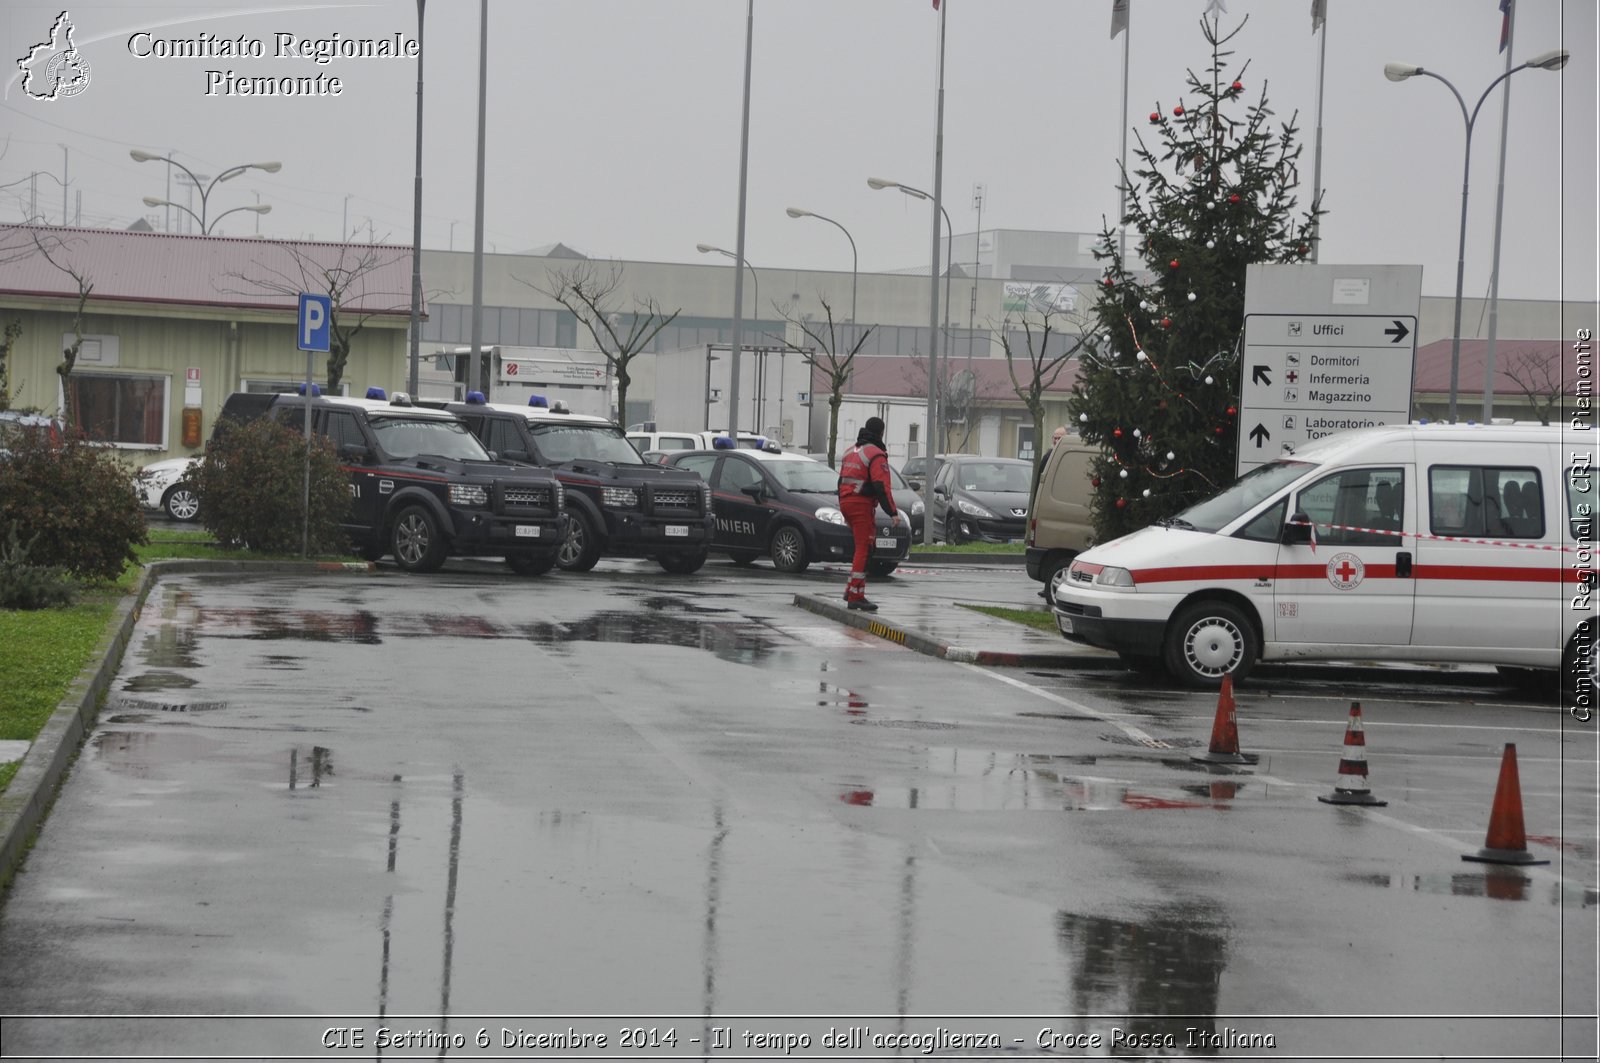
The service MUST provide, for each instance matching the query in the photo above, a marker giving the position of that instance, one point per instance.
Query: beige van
(1059, 525)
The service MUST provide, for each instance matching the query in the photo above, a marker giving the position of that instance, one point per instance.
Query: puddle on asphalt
(964, 780)
(147, 708)
(854, 704)
(1162, 973)
(158, 681)
(1500, 884)
(170, 646)
(311, 770)
(738, 641)
(151, 754)
(307, 625)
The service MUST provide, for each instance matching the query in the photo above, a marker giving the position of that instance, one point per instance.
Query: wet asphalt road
(375, 801)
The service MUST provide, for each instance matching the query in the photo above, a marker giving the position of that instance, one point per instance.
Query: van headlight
(972, 509)
(1113, 577)
(831, 515)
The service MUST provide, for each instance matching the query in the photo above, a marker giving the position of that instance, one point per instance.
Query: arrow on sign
(1260, 433)
(1261, 374)
(1399, 332)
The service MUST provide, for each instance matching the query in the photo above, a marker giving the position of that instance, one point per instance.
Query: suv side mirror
(354, 453)
(757, 491)
(514, 455)
(1297, 532)
(939, 490)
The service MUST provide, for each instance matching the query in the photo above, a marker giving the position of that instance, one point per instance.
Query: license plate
(527, 531)
(887, 544)
(1064, 623)
(677, 531)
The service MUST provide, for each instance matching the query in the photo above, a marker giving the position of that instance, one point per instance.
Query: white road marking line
(1140, 736)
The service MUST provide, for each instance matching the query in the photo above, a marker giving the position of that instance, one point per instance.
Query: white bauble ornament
(1171, 455)
(1147, 492)
(1123, 473)
(1208, 380)
(1193, 297)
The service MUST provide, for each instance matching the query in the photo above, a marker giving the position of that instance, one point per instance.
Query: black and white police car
(422, 487)
(786, 507)
(617, 503)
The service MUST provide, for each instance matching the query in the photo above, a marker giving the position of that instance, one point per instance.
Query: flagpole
(735, 352)
(1316, 167)
(933, 284)
(1499, 208)
(1122, 175)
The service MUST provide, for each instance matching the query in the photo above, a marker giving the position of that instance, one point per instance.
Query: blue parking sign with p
(316, 322)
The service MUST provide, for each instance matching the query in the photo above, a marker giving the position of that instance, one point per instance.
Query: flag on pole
(1505, 23)
(1319, 14)
(1119, 17)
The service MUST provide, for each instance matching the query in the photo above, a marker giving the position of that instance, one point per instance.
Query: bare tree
(591, 295)
(58, 254)
(1035, 367)
(826, 352)
(961, 399)
(343, 272)
(1539, 378)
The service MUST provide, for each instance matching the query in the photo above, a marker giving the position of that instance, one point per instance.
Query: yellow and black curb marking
(884, 631)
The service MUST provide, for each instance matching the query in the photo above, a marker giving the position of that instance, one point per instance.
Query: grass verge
(970, 548)
(1042, 619)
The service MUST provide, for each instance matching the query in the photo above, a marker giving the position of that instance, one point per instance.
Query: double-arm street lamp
(796, 212)
(205, 190)
(1553, 60)
(755, 280)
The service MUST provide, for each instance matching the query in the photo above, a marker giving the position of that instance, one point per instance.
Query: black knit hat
(875, 428)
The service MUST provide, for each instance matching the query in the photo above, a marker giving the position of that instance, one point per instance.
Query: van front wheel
(1208, 640)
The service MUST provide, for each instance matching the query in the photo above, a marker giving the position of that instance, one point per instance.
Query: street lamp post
(205, 191)
(1552, 60)
(796, 212)
(879, 183)
(755, 294)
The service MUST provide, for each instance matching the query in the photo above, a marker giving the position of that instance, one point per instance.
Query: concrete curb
(27, 799)
(916, 640)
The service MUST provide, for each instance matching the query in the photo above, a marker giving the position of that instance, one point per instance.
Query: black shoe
(864, 605)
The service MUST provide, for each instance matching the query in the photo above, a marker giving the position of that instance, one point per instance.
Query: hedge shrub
(25, 585)
(251, 483)
(76, 500)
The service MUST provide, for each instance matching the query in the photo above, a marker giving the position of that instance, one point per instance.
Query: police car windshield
(597, 442)
(1228, 505)
(810, 476)
(407, 437)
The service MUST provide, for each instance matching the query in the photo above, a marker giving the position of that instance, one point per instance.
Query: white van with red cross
(1433, 543)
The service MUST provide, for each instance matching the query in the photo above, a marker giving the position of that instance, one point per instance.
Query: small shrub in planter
(251, 484)
(24, 585)
(76, 502)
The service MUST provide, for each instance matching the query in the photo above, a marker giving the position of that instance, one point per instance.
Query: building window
(126, 410)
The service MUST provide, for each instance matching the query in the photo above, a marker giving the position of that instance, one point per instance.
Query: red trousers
(860, 513)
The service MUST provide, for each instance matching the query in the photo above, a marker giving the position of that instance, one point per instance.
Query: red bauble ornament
(1304, 249)
(1155, 117)
(1108, 282)
(1219, 429)
(1117, 432)
(1173, 263)
(1177, 112)
(1095, 482)
(1234, 198)
(1121, 502)
(1166, 322)
(1232, 412)
(1237, 86)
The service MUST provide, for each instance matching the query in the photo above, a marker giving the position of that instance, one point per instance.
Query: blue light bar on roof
(377, 393)
(300, 389)
(538, 402)
(475, 397)
(722, 443)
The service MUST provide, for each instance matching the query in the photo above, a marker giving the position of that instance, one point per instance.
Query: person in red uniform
(863, 487)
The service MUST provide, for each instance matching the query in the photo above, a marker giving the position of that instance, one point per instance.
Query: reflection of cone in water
(1351, 789)
(1506, 842)
(1225, 732)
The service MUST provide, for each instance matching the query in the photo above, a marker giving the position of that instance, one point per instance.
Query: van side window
(503, 437)
(1357, 507)
(1581, 516)
(1490, 501)
(342, 429)
(1267, 527)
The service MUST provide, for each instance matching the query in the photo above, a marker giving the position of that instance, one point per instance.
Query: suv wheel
(1209, 640)
(531, 564)
(788, 550)
(181, 503)
(681, 564)
(418, 545)
(580, 550)
(1055, 571)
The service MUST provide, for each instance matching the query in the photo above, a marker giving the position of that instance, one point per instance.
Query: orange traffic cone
(1351, 789)
(1225, 732)
(1506, 843)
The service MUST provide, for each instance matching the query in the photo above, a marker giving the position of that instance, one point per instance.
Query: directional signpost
(1326, 349)
(313, 329)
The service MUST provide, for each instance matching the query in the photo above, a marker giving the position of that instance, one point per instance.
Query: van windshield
(1228, 505)
(408, 437)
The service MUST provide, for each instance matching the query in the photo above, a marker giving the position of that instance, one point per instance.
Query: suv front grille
(678, 498)
(529, 498)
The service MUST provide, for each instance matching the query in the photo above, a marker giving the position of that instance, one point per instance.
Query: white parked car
(166, 486)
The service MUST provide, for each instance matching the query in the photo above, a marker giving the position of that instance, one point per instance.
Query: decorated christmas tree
(1158, 386)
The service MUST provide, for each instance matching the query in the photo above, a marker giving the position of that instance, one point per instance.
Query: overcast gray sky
(614, 124)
